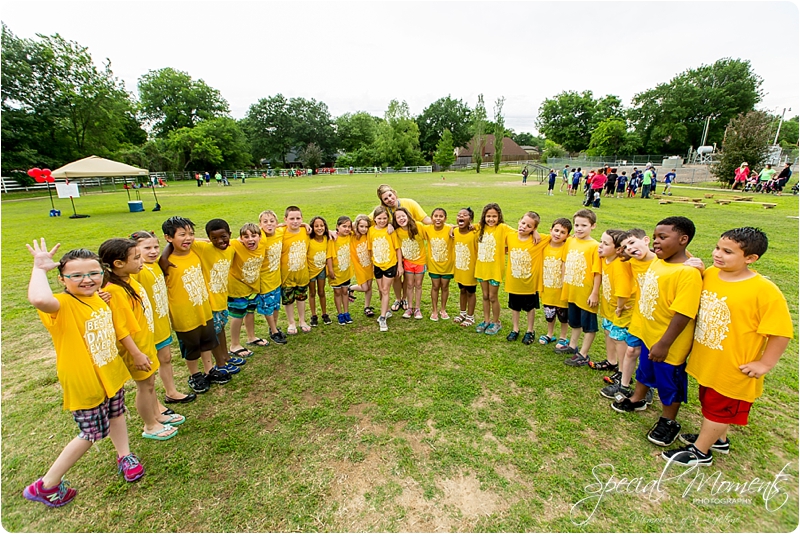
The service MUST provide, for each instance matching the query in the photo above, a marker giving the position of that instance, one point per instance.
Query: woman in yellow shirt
(362, 263)
(133, 322)
(90, 371)
(387, 260)
(317, 258)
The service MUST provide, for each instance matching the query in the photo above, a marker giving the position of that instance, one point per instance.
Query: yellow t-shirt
(667, 289)
(524, 266)
(339, 252)
(361, 259)
(416, 211)
(87, 362)
(294, 262)
(581, 263)
(491, 257)
(187, 291)
(553, 275)
(383, 247)
(133, 319)
(617, 282)
(216, 268)
(733, 324)
(244, 276)
(413, 249)
(152, 279)
(465, 252)
(441, 254)
(271, 266)
(317, 257)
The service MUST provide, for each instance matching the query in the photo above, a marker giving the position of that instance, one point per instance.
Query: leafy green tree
(568, 119)
(312, 123)
(478, 132)
(445, 151)
(356, 130)
(611, 137)
(170, 99)
(499, 133)
(790, 131)
(311, 156)
(216, 143)
(58, 106)
(552, 150)
(397, 142)
(528, 139)
(444, 114)
(671, 117)
(747, 138)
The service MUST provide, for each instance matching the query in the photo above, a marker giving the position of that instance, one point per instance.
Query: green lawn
(428, 427)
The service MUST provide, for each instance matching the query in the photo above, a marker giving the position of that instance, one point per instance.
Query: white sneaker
(388, 314)
(382, 325)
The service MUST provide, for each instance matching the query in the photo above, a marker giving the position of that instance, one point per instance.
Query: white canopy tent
(95, 166)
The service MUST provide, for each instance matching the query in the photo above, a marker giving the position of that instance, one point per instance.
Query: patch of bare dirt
(484, 400)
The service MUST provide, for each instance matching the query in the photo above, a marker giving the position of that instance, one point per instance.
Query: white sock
(463, 313)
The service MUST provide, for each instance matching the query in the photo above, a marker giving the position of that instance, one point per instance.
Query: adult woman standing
(740, 175)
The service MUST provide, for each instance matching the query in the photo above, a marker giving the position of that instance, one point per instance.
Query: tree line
(59, 106)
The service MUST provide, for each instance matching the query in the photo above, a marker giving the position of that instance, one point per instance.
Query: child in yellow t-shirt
(152, 279)
(441, 262)
(743, 327)
(244, 283)
(581, 287)
(362, 263)
(294, 269)
(91, 373)
(669, 297)
(387, 260)
(524, 274)
(412, 241)
(268, 302)
(339, 269)
(553, 282)
(489, 265)
(189, 306)
(133, 323)
(465, 251)
(616, 290)
(317, 269)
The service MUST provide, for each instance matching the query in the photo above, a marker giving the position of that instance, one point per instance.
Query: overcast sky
(357, 56)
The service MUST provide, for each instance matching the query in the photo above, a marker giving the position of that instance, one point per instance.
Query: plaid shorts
(94, 422)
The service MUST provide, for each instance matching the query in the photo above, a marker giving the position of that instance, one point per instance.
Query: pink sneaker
(418, 314)
(54, 497)
(130, 467)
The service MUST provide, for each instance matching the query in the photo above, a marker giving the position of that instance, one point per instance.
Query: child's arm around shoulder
(39, 292)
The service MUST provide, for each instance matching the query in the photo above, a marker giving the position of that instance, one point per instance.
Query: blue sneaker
(347, 318)
(342, 320)
(481, 328)
(232, 369)
(492, 329)
(237, 361)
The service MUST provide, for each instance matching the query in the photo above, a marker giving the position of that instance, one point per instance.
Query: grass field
(425, 428)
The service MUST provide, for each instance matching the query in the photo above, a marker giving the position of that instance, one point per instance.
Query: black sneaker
(626, 406)
(664, 432)
(198, 383)
(528, 338)
(612, 391)
(326, 319)
(314, 320)
(688, 456)
(218, 376)
(720, 446)
(616, 377)
(278, 338)
(512, 336)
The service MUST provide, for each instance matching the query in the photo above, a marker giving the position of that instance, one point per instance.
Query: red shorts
(413, 268)
(718, 408)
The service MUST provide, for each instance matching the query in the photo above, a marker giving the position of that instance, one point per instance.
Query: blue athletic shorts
(633, 341)
(166, 343)
(220, 319)
(670, 380)
(617, 333)
(580, 318)
(269, 303)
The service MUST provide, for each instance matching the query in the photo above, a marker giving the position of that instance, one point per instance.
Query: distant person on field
(566, 173)
(740, 175)
(551, 181)
(668, 179)
(783, 178)
(525, 175)
(218, 178)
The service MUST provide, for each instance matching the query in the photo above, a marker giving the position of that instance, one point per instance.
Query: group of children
(116, 317)
(606, 182)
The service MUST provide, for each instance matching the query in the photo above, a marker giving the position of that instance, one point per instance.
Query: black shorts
(580, 318)
(201, 339)
(469, 289)
(524, 303)
(391, 272)
(551, 312)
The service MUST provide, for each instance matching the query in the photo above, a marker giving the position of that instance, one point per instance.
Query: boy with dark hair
(189, 305)
(553, 281)
(581, 287)
(669, 297)
(743, 328)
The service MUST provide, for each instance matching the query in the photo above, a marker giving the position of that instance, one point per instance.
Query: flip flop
(351, 296)
(258, 342)
(157, 437)
(292, 330)
(305, 328)
(175, 419)
(241, 353)
(396, 306)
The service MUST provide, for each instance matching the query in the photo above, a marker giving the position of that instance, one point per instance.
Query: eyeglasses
(78, 277)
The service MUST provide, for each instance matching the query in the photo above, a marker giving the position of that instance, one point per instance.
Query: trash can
(135, 205)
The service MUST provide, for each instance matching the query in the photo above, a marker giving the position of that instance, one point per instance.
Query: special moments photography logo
(696, 483)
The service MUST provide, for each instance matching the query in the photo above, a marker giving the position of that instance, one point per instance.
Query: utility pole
(780, 123)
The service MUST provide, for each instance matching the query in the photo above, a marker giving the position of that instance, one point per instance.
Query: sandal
(174, 419)
(305, 328)
(258, 342)
(443, 315)
(459, 319)
(158, 435)
(241, 353)
(396, 305)
(468, 321)
(405, 304)
(561, 343)
(605, 365)
(369, 311)
(351, 295)
(544, 340)
(291, 330)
